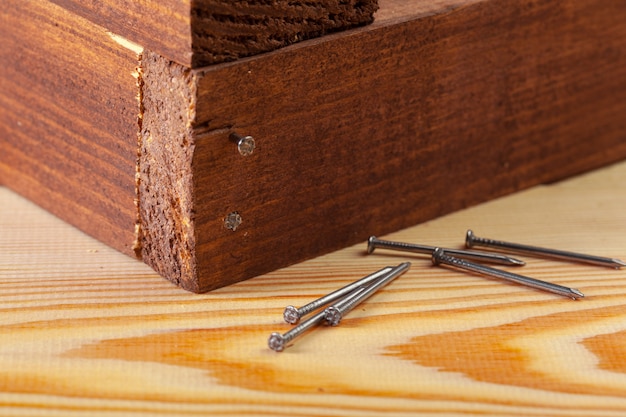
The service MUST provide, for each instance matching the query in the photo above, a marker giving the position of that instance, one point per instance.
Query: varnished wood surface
(362, 133)
(87, 330)
(196, 33)
(69, 115)
(160, 25)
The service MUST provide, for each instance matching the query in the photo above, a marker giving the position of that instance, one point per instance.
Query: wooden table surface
(85, 329)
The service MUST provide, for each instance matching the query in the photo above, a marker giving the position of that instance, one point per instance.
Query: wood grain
(436, 107)
(69, 115)
(399, 123)
(87, 330)
(196, 33)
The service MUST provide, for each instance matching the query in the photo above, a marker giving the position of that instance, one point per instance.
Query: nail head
(245, 144)
(436, 257)
(233, 221)
(469, 238)
(291, 315)
(276, 342)
(333, 316)
(371, 244)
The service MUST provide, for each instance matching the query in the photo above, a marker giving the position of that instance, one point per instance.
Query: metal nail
(245, 144)
(335, 313)
(440, 257)
(472, 240)
(232, 221)
(373, 242)
(293, 314)
(278, 342)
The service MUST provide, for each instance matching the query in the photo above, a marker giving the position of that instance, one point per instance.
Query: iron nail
(245, 144)
(335, 313)
(472, 240)
(373, 242)
(440, 257)
(293, 314)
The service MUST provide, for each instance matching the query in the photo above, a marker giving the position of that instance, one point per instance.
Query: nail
(472, 240)
(292, 314)
(335, 313)
(245, 144)
(373, 242)
(440, 257)
(278, 342)
(232, 221)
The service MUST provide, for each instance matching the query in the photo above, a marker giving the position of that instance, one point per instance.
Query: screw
(245, 144)
(278, 342)
(292, 314)
(440, 257)
(373, 242)
(335, 313)
(473, 240)
(232, 221)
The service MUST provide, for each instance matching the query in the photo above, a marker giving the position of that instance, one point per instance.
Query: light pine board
(85, 329)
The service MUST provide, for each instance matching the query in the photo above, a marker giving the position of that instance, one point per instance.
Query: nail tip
(619, 263)
(577, 294)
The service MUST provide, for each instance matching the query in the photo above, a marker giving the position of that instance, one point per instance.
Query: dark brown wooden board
(69, 114)
(195, 33)
(390, 126)
(434, 107)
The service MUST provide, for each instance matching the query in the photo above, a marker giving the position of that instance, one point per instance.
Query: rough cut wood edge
(195, 33)
(69, 115)
(165, 177)
(399, 124)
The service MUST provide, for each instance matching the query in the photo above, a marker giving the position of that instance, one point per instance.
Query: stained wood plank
(161, 25)
(475, 98)
(88, 330)
(195, 33)
(398, 123)
(69, 114)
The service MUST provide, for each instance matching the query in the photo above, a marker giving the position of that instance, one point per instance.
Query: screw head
(291, 315)
(232, 221)
(276, 342)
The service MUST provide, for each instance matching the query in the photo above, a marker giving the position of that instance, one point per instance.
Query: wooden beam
(195, 33)
(403, 121)
(69, 115)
